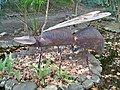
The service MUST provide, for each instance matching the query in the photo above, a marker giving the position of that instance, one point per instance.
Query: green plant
(38, 4)
(6, 65)
(8, 62)
(23, 6)
(2, 65)
(35, 26)
(34, 6)
(16, 74)
(43, 71)
(63, 75)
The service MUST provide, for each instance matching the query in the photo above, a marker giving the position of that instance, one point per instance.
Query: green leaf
(8, 62)
(17, 75)
(2, 66)
(57, 76)
(43, 81)
(47, 71)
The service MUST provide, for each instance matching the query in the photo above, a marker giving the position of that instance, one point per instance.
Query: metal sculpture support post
(40, 57)
(60, 57)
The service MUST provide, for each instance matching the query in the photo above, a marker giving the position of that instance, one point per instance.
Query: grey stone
(113, 27)
(15, 44)
(50, 87)
(15, 55)
(3, 33)
(99, 69)
(82, 78)
(2, 83)
(7, 77)
(95, 78)
(87, 84)
(93, 60)
(26, 86)
(9, 84)
(75, 87)
(4, 46)
(95, 71)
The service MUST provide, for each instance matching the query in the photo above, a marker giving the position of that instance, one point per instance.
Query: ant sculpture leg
(75, 49)
(40, 57)
(60, 58)
(86, 56)
(39, 48)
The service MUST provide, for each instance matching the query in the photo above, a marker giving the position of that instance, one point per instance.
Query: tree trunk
(25, 20)
(75, 9)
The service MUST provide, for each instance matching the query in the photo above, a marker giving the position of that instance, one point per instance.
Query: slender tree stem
(46, 16)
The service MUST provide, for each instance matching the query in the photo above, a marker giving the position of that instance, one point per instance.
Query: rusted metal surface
(56, 37)
(90, 38)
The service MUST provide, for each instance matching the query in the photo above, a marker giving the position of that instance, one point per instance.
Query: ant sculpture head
(26, 40)
(30, 41)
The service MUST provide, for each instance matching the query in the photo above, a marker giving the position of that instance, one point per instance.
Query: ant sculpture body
(58, 35)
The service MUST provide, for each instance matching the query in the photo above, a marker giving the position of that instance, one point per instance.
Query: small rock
(15, 54)
(95, 78)
(16, 44)
(50, 87)
(2, 83)
(87, 84)
(7, 77)
(4, 46)
(94, 71)
(75, 87)
(9, 84)
(99, 69)
(93, 60)
(26, 86)
(63, 87)
(82, 78)
(3, 33)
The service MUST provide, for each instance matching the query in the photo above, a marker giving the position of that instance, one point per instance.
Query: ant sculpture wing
(81, 19)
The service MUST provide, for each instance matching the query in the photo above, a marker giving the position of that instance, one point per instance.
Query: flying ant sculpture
(88, 38)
